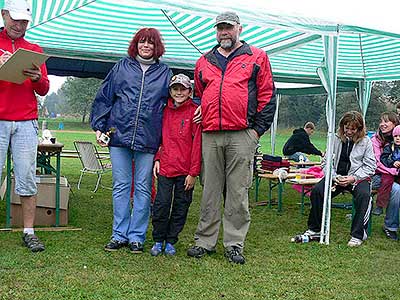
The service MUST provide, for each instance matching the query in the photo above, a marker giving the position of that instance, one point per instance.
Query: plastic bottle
(301, 238)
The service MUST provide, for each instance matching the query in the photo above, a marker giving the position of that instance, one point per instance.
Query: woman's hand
(156, 168)
(197, 115)
(189, 182)
(98, 140)
(396, 164)
(345, 180)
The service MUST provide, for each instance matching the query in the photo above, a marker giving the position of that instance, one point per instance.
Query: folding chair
(91, 161)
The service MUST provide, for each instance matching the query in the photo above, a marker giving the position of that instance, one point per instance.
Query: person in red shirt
(19, 114)
(177, 164)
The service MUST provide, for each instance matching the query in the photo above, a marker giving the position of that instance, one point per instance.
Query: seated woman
(388, 196)
(353, 165)
(299, 144)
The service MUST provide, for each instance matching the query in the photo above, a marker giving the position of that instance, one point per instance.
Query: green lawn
(75, 266)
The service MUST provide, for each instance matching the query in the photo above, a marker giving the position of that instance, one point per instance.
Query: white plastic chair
(92, 162)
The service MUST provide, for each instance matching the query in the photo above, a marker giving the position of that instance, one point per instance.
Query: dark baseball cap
(228, 17)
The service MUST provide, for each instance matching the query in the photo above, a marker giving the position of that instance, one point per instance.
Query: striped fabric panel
(102, 29)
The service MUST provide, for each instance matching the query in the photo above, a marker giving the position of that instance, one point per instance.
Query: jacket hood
(299, 130)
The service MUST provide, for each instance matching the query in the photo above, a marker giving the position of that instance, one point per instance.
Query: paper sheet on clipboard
(12, 69)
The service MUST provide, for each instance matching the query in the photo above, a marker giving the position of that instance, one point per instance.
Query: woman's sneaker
(390, 234)
(114, 245)
(377, 211)
(354, 242)
(156, 249)
(136, 247)
(169, 249)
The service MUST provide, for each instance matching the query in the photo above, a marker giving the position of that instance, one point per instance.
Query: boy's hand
(396, 164)
(156, 168)
(189, 182)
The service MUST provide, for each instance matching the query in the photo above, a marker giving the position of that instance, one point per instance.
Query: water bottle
(301, 238)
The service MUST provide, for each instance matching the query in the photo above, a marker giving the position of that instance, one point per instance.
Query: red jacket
(241, 97)
(180, 150)
(18, 101)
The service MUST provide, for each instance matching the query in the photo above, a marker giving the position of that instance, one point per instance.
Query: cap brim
(20, 16)
(226, 22)
(171, 84)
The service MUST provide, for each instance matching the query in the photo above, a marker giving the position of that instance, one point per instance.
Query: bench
(273, 181)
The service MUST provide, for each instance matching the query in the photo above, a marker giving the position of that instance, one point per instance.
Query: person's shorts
(22, 138)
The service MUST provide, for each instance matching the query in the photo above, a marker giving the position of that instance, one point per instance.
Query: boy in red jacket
(177, 164)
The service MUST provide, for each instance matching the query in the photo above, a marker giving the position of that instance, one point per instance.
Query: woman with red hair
(129, 104)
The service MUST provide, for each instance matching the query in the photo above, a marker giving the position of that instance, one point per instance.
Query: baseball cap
(228, 17)
(182, 79)
(18, 9)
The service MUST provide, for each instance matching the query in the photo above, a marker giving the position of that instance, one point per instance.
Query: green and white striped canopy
(101, 30)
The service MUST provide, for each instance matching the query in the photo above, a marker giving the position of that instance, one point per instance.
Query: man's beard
(227, 44)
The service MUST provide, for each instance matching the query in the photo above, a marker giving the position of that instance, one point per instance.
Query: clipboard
(12, 69)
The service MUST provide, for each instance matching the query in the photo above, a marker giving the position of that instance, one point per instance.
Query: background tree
(79, 94)
(53, 104)
(294, 111)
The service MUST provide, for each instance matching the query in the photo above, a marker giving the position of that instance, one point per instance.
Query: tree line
(76, 97)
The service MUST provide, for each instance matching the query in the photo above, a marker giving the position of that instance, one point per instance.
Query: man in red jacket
(234, 83)
(18, 114)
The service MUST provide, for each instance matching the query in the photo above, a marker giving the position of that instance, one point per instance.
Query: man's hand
(197, 115)
(256, 134)
(156, 168)
(34, 73)
(4, 56)
(189, 182)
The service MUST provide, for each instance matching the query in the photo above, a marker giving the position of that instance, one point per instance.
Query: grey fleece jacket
(362, 159)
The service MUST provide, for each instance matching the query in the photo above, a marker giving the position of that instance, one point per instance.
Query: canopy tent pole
(328, 74)
(364, 95)
(274, 125)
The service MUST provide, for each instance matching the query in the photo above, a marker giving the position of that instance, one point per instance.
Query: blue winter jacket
(132, 103)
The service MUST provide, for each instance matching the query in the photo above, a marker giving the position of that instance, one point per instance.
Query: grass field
(75, 266)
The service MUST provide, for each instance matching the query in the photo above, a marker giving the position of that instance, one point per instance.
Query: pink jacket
(378, 149)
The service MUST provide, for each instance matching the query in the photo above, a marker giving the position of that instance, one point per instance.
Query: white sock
(29, 231)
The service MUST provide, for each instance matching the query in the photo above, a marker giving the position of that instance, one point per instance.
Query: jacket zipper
(138, 110)
(13, 45)
(220, 100)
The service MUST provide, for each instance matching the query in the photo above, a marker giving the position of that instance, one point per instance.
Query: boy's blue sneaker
(169, 249)
(156, 249)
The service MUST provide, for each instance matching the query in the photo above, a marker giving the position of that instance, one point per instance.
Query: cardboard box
(46, 201)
